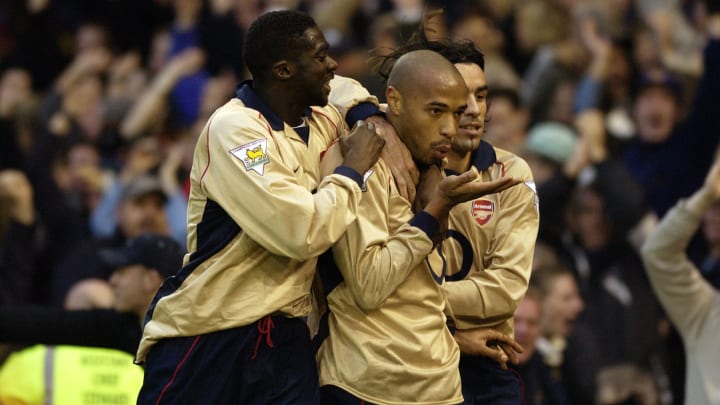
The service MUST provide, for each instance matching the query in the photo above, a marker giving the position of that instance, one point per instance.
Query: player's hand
(453, 190)
(489, 343)
(461, 188)
(398, 158)
(427, 187)
(362, 147)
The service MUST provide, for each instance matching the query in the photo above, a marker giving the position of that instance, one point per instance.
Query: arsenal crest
(482, 211)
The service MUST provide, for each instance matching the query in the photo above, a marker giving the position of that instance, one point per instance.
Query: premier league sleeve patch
(531, 186)
(253, 155)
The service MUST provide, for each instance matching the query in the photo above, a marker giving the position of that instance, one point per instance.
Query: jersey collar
(250, 98)
(484, 156)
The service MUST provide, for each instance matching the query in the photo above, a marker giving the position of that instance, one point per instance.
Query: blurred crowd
(613, 103)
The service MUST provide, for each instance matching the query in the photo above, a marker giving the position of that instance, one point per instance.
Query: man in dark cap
(139, 268)
(672, 152)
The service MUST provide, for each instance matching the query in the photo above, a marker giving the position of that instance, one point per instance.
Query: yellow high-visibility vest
(69, 375)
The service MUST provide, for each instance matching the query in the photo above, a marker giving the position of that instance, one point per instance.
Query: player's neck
(458, 162)
(282, 104)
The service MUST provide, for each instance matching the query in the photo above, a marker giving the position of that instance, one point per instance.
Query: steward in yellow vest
(69, 375)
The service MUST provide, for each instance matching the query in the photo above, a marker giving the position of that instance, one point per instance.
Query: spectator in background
(690, 301)
(567, 347)
(16, 101)
(591, 236)
(664, 139)
(507, 120)
(139, 268)
(548, 151)
(549, 146)
(710, 265)
(64, 374)
(133, 191)
(539, 385)
(156, 102)
(141, 209)
(64, 168)
(185, 33)
(577, 160)
(486, 35)
(18, 240)
(620, 309)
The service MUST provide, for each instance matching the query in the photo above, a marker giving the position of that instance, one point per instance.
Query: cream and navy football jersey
(259, 214)
(490, 245)
(387, 340)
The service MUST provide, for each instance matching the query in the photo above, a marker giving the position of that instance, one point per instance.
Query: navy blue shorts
(484, 382)
(268, 362)
(334, 395)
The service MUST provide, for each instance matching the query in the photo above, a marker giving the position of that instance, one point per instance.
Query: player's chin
(462, 145)
(321, 99)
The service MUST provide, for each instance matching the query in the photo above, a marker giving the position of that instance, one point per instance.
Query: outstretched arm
(684, 294)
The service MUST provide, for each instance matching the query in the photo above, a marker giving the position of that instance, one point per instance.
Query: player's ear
(283, 70)
(394, 100)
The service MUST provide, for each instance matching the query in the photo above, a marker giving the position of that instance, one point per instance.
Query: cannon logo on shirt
(482, 211)
(253, 155)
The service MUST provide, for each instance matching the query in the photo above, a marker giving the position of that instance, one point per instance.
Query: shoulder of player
(326, 115)
(234, 114)
(512, 164)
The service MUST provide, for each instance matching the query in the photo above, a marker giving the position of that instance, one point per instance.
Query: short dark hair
(463, 51)
(274, 36)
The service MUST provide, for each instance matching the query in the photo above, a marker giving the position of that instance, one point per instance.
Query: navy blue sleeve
(349, 172)
(426, 222)
(361, 112)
